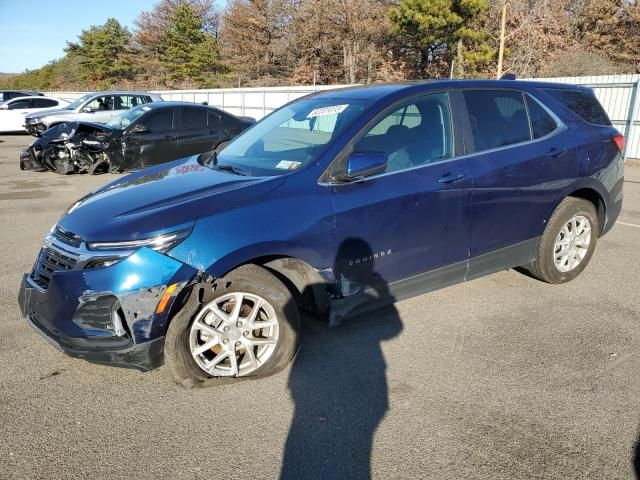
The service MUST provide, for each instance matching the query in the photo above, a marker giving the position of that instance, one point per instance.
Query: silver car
(97, 107)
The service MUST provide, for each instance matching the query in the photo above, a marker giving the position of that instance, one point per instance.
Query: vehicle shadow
(339, 387)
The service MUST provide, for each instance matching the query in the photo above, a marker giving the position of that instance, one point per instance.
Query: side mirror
(364, 164)
(139, 128)
(86, 110)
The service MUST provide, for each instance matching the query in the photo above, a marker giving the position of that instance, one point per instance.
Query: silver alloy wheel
(572, 243)
(234, 335)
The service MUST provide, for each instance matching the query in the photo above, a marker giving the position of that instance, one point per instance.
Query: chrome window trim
(560, 127)
(461, 157)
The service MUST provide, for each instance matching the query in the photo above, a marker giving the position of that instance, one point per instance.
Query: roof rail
(508, 76)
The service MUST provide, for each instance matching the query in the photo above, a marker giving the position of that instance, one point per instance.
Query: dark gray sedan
(145, 135)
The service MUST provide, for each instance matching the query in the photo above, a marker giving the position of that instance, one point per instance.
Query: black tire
(248, 278)
(544, 267)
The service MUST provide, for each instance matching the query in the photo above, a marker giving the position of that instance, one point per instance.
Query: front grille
(50, 260)
(67, 237)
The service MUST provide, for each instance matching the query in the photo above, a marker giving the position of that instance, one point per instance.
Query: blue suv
(338, 202)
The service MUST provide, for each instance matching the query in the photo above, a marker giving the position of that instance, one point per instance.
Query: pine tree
(440, 30)
(104, 54)
(188, 52)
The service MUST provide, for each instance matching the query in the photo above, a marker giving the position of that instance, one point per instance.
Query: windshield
(126, 118)
(291, 137)
(78, 101)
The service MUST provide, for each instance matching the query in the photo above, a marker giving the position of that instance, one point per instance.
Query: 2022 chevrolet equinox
(337, 202)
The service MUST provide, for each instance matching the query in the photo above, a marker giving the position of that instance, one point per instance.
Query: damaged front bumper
(114, 315)
(74, 147)
(35, 128)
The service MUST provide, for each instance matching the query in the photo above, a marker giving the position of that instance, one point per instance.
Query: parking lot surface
(502, 377)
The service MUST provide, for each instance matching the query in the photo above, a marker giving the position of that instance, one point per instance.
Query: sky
(34, 32)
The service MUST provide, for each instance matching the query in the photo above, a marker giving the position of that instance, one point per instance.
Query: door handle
(449, 178)
(556, 152)
(169, 137)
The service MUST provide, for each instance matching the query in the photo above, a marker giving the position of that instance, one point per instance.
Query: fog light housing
(101, 313)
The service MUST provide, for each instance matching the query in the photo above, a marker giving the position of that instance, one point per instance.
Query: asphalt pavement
(499, 378)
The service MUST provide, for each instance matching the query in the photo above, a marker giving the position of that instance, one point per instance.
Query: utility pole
(503, 24)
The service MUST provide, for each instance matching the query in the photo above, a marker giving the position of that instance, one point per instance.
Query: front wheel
(246, 326)
(568, 242)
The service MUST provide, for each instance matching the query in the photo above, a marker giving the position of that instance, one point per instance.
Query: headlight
(161, 243)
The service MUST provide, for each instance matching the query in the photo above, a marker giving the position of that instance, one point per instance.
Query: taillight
(619, 141)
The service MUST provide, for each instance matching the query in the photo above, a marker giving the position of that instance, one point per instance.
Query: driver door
(405, 231)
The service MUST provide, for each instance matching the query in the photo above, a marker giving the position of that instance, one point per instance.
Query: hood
(159, 199)
(65, 131)
(55, 111)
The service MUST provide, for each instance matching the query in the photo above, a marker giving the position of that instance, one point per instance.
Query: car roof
(21, 91)
(39, 97)
(176, 104)
(123, 92)
(378, 91)
(119, 92)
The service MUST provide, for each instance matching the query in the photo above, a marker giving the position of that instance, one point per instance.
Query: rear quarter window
(582, 103)
(542, 124)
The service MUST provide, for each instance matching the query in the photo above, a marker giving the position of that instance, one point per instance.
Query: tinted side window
(498, 118)
(582, 103)
(43, 103)
(542, 123)
(213, 119)
(19, 104)
(417, 133)
(159, 121)
(194, 117)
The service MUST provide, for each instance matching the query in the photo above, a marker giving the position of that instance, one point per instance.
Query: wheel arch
(308, 286)
(304, 281)
(594, 197)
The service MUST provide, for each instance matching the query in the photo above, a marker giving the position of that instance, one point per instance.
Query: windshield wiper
(229, 168)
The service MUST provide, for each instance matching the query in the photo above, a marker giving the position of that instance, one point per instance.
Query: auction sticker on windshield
(332, 110)
(287, 165)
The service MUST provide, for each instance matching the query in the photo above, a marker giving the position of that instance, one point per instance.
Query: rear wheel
(568, 242)
(247, 326)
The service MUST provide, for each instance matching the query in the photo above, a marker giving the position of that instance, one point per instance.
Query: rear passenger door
(523, 158)
(195, 135)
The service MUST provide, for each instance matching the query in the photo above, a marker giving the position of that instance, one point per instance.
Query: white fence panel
(619, 95)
